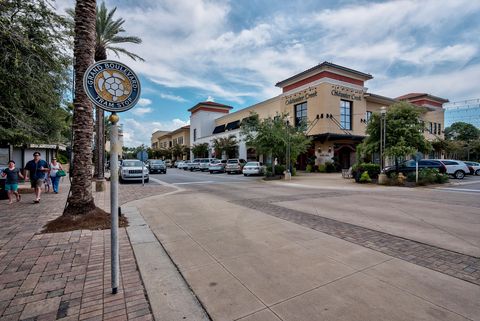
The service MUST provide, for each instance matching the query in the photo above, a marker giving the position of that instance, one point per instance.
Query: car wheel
(459, 174)
(477, 172)
(147, 180)
(245, 175)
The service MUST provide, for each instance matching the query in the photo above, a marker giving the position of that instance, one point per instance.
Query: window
(435, 128)
(180, 140)
(301, 114)
(368, 115)
(174, 141)
(439, 129)
(346, 114)
(431, 127)
(194, 134)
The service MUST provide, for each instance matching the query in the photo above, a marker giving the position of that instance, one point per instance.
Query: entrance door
(344, 157)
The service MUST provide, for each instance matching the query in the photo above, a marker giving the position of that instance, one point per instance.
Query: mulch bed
(96, 219)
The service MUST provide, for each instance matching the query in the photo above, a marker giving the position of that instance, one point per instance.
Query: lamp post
(383, 111)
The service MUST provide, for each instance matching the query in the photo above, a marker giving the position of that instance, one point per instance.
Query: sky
(234, 51)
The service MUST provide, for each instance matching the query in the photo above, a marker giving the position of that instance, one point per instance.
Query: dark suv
(409, 166)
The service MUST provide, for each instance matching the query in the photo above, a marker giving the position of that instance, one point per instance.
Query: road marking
(201, 182)
(459, 189)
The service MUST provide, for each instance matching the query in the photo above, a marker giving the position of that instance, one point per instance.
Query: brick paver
(66, 276)
(455, 264)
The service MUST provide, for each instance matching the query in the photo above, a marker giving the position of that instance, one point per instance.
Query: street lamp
(383, 132)
(288, 146)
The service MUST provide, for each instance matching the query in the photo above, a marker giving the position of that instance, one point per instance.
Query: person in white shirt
(54, 168)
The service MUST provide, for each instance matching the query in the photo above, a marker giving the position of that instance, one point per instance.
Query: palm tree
(108, 32)
(227, 145)
(80, 201)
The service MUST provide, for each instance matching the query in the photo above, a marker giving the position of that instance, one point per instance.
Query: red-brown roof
(210, 103)
(412, 96)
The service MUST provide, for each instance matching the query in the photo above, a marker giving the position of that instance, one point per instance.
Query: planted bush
(322, 168)
(309, 168)
(365, 178)
(428, 176)
(330, 167)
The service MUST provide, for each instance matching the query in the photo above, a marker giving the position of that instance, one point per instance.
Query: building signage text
(300, 98)
(339, 92)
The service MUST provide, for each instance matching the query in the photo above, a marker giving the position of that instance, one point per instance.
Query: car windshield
(233, 161)
(156, 162)
(132, 163)
(252, 164)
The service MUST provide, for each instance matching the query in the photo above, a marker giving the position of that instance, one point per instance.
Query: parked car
(457, 169)
(180, 164)
(168, 163)
(253, 168)
(157, 166)
(235, 165)
(475, 166)
(409, 166)
(194, 165)
(205, 163)
(131, 170)
(217, 166)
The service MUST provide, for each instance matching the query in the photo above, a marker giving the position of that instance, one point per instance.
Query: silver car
(217, 166)
(131, 170)
(253, 168)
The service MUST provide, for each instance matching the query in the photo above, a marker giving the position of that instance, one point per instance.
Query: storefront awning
(333, 136)
(219, 129)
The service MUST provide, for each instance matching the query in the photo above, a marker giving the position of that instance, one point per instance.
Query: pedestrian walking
(36, 169)
(11, 185)
(54, 177)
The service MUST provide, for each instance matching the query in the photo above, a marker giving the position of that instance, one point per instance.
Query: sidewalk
(248, 264)
(66, 276)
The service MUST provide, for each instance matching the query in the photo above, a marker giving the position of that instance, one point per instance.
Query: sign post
(418, 156)
(114, 87)
(142, 156)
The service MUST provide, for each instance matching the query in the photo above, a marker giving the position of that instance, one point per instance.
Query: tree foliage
(200, 150)
(227, 145)
(404, 132)
(34, 73)
(462, 131)
(271, 136)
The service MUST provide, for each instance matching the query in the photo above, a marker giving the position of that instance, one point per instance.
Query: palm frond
(117, 50)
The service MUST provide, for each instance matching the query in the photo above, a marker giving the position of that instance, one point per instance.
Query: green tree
(462, 131)
(200, 150)
(227, 145)
(404, 132)
(271, 136)
(34, 73)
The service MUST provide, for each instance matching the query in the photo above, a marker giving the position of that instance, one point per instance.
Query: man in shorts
(11, 185)
(36, 168)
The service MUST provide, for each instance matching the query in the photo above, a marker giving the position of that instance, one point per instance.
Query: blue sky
(234, 51)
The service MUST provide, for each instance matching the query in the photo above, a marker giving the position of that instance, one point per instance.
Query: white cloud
(136, 133)
(144, 102)
(173, 97)
(142, 110)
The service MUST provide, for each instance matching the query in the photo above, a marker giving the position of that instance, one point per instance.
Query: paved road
(470, 184)
(180, 177)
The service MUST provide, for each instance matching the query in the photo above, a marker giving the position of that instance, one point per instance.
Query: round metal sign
(111, 85)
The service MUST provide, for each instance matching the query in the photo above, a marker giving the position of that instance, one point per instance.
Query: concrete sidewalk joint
(170, 296)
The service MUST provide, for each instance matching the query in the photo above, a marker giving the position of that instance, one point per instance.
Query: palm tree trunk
(81, 200)
(99, 157)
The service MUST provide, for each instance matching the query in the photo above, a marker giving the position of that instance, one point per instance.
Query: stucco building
(332, 99)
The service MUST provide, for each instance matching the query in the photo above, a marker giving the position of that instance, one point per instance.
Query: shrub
(428, 176)
(268, 173)
(315, 168)
(309, 168)
(322, 168)
(365, 178)
(330, 167)
(372, 169)
(279, 169)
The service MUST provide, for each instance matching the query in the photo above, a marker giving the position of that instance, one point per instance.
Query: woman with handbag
(56, 171)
